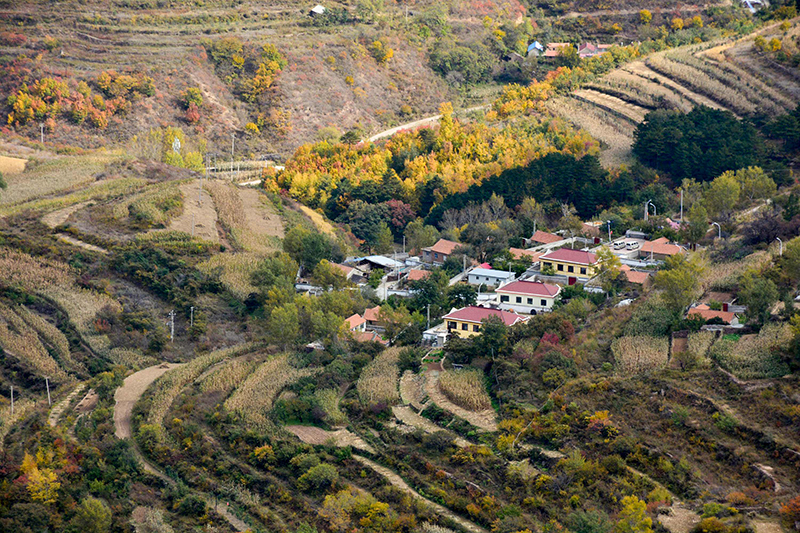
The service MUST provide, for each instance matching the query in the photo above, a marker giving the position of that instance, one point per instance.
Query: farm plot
(612, 104)
(485, 419)
(640, 354)
(319, 436)
(53, 176)
(250, 222)
(754, 356)
(745, 56)
(616, 135)
(642, 91)
(378, 383)
(12, 165)
(253, 399)
(465, 388)
(198, 216)
(639, 68)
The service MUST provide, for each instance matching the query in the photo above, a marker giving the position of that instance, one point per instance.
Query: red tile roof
(371, 314)
(570, 256)
(707, 313)
(639, 278)
(369, 336)
(544, 237)
(519, 253)
(354, 321)
(416, 275)
(443, 246)
(476, 314)
(661, 246)
(346, 270)
(534, 288)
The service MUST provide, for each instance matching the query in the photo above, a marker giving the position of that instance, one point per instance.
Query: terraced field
(729, 75)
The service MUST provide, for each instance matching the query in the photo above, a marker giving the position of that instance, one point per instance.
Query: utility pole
(191, 317)
(429, 319)
(47, 384)
(12, 400)
(172, 326)
(781, 242)
(41, 128)
(233, 144)
(646, 210)
(609, 231)
(192, 225)
(681, 205)
(719, 229)
(404, 244)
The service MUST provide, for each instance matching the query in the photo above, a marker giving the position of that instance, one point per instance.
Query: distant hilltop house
(466, 322)
(527, 297)
(554, 49)
(317, 10)
(439, 252)
(567, 262)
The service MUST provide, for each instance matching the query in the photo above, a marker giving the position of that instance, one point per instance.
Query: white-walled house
(489, 277)
(527, 297)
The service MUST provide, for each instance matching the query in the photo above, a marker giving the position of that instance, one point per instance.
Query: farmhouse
(527, 297)
(371, 318)
(356, 322)
(417, 275)
(542, 237)
(554, 49)
(535, 49)
(489, 276)
(659, 249)
(566, 262)
(527, 255)
(587, 50)
(439, 252)
(466, 322)
(633, 276)
(706, 313)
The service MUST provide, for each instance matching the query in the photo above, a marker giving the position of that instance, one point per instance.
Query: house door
(572, 280)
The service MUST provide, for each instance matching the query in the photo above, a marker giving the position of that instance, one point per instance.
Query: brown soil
(56, 218)
(260, 217)
(202, 214)
(132, 389)
(317, 436)
(680, 520)
(410, 418)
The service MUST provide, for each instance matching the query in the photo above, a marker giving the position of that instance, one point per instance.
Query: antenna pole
(172, 326)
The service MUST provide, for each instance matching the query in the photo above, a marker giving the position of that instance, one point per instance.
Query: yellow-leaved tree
(633, 517)
(42, 483)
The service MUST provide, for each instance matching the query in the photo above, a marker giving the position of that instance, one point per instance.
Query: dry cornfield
(235, 271)
(172, 383)
(378, 383)
(723, 276)
(328, 400)
(229, 376)
(253, 399)
(465, 388)
(52, 335)
(20, 340)
(700, 343)
(754, 356)
(640, 354)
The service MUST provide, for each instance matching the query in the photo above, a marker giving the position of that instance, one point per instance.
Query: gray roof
(492, 273)
(385, 262)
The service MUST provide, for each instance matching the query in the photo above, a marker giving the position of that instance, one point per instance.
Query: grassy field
(12, 165)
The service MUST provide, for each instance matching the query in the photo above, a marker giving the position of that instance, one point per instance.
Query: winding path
(419, 123)
(126, 397)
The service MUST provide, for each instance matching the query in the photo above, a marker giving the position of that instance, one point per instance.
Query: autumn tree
(633, 517)
(696, 225)
(645, 17)
(680, 281)
(754, 183)
(609, 267)
(93, 516)
(419, 236)
(722, 195)
(329, 276)
(42, 483)
(394, 320)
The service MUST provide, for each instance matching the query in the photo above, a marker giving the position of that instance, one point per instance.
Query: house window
(561, 268)
(519, 299)
(465, 327)
(570, 269)
(436, 256)
(583, 271)
(548, 265)
(476, 328)
(503, 299)
(530, 301)
(451, 325)
(544, 303)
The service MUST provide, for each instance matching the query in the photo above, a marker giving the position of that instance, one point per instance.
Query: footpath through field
(125, 398)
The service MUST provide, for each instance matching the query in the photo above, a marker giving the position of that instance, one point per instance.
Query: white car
(619, 245)
(631, 245)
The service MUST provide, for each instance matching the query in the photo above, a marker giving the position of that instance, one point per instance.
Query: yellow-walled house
(574, 263)
(466, 322)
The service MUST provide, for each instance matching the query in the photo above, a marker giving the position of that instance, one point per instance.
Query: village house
(466, 322)
(588, 50)
(415, 274)
(527, 297)
(706, 313)
(633, 276)
(372, 320)
(659, 249)
(524, 255)
(439, 252)
(542, 237)
(554, 49)
(356, 322)
(572, 263)
(535, 49)
(489, 277)
(356, 275)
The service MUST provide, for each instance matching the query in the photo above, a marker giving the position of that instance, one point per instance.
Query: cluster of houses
(553, 50)
(555, 261)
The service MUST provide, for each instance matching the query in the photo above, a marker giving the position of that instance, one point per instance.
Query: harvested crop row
(465, 388)
(228, 377)
(235, 271)
(701, 82)
(18, 339)
(52, 335)
(700, 342)
(754, 356)
(153, 208)
(253, 399)
(644, 90)
(378, 383)
(170, 386)
(612, 104)
(639, 68)
(640, 354)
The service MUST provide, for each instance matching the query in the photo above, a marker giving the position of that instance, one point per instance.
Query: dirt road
(132, 389)
(419, 123)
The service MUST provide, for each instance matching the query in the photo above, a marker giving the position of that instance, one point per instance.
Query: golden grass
(52, 176)
(700, 342)
(22, 407)
(725, 276)
(248, 219)
(465, 388)
(52, 335)
(156, 205)
(253, 399)
(640, 354)
(328, 400)
(319, 221)
(12, 165)
(378, 383)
